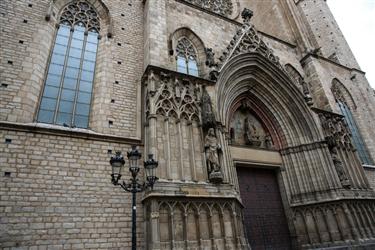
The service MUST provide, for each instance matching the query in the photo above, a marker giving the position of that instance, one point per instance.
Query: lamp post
(134, 186)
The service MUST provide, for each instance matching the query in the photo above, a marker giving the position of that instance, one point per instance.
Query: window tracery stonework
(247, 40)
(80, 12)
(341, 95)
(221, 7)
(185, 49)
(174, 97)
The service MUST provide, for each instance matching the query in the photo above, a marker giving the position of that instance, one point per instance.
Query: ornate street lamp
(134, 186)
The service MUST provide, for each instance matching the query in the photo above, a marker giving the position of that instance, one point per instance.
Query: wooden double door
(264, 218)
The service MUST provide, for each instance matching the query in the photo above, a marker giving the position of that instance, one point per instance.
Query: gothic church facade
(257, 112)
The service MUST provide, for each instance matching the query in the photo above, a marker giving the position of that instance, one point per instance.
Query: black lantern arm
(134, 186)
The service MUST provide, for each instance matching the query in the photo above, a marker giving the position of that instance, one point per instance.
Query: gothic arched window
(345, 103)
(186, 57)
(67, 92)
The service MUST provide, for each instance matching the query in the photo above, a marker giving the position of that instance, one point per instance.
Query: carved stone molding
(173, 104)
(221, 7)
(300, 82)
(189, 223)
(172, 96)
(247, 40)
(339, 140)
(80, 12)
(334, 222)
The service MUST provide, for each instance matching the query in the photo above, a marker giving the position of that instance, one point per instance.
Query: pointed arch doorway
(264, 216)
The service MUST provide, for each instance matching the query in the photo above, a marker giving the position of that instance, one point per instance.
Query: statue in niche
(339, 168)
(212, 149)
(252, 135)
(210, 58)
(208, 117)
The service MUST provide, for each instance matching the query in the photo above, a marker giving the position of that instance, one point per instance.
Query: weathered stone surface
(55, 190)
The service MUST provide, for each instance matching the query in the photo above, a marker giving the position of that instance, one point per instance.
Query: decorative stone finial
(246, 15)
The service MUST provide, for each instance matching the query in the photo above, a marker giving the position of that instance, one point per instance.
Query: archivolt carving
(185, 49)
(221, 7)
(300, 82)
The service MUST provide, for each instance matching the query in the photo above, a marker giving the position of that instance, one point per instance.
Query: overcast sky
(356, 19)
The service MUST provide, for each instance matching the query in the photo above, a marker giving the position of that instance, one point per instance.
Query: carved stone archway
(310, 172)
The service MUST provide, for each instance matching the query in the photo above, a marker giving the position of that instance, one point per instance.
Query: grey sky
(356, 19)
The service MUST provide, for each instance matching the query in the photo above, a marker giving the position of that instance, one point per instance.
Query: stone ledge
(190, 190)
(319, 57)
(372, 167)
(49, 129)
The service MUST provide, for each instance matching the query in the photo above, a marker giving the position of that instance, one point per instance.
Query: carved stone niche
(246, 129)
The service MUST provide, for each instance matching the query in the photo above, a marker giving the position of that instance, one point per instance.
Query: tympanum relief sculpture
(247, 129)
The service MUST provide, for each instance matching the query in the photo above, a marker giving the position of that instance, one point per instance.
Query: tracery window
(67, 92)
(339, 93)
(186, 57)
(221, 7)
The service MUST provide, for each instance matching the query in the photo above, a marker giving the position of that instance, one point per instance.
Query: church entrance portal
(264, 217)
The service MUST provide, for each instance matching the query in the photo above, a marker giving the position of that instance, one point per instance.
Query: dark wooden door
(265, 221)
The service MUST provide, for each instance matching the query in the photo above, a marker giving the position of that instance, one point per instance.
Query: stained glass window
(345, 103)
(67, 92)
(186, 57)
(356, 136)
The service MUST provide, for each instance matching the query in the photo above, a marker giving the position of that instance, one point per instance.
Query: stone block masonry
(56, 193)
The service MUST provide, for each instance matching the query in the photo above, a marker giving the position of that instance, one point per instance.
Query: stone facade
(272, 77)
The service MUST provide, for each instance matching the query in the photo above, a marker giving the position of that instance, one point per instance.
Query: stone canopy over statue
(212, 150)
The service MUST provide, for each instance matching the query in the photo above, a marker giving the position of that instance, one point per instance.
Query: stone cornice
(47, 129)
(319, 57)
(317, 110)
(158, 70)
(330, 201)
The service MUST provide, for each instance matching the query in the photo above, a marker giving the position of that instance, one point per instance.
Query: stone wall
(270, 17)
(56, 192)
(327, 32)
(27, 40)
(55, 189)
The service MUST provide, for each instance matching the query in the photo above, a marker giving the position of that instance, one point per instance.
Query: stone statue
(268, 141)
(252, 136)
(208, 117)
(213, 75)
(212, 149)
(339, 168)
(306, 92)
(210, 58)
